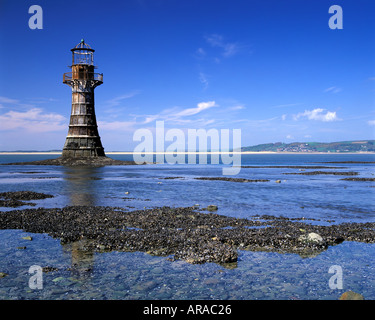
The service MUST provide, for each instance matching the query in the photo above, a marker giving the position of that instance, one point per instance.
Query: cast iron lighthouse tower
(83, 138)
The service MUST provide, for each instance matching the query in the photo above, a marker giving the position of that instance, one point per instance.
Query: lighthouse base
(77, 162)
(82, 147)
(83, 153)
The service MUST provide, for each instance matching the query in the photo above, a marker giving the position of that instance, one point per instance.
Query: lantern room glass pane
(83, 57)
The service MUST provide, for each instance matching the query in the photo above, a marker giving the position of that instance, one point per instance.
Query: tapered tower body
(83, 138)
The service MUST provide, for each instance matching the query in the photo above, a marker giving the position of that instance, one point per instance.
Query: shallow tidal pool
(70, 272)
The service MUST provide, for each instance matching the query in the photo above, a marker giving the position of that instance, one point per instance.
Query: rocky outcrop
(18, 198)
(75, 162)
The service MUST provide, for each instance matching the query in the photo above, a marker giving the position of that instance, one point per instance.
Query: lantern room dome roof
(82, 46)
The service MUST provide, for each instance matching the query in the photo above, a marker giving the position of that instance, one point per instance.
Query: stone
(311, 237)
(351, 295)
(27, 238)
(212, 208)
(145, 286)
(157, 270)
(278, 181)
(314, 237)
(3, 274)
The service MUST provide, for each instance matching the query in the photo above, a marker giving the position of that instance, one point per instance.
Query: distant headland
(359, 146)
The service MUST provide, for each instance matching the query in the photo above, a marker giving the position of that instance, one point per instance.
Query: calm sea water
(257, 275)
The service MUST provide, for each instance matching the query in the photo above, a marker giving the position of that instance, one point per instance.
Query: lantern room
(83, 54)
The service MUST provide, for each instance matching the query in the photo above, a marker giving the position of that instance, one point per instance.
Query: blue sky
(272, 68)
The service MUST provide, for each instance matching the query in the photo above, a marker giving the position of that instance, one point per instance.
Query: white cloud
(283, 117)
(200, 107)
(371, 122)
(289, 136)
(33, 120)
(318, 114)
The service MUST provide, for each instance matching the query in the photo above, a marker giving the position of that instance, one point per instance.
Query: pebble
(157, 270)
(351, 295)
(145, 286)
(211, 281)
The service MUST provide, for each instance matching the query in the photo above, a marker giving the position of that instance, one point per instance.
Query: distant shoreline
(188, 152)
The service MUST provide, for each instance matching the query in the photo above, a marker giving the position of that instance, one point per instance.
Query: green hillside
(342, 146)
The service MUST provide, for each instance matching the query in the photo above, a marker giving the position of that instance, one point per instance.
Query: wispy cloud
(238, 107)
(127, 126)
(200, 52)
(177, 115)
(318, 114)
(8, 100)
(371, 122)
(333, 89)
(116, 101)
(228, 48)
(11, 103)
(203, 79)
(286, 105)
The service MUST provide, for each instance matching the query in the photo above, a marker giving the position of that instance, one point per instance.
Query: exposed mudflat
(335, 173)
(292, 167)
(232, 179)
(358, 179)
(183, 233)
(363, 162)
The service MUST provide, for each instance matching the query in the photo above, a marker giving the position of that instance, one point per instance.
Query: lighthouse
(83, 140)
(82, 145)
